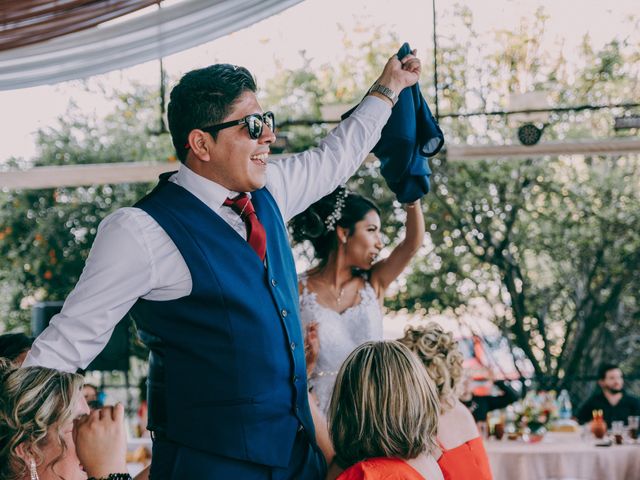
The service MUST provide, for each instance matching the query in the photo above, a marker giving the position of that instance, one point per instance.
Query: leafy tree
(46, 234)
(298, 94)
(548, 245)
(551, 248)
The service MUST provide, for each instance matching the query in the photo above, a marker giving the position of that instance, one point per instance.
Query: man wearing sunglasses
(204, 264)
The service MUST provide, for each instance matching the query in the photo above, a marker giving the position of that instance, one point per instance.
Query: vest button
(293, 345)
(274, 282)
(284, 313)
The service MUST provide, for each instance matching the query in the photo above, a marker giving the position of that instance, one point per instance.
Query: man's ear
(199, 145)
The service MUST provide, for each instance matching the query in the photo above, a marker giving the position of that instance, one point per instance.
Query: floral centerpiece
(533, 415)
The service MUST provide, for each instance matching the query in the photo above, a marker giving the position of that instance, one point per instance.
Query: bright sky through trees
(317, 27)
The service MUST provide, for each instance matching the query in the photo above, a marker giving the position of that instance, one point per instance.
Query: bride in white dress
(341, 297)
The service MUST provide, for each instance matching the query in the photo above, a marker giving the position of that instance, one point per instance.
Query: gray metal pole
(435, 60)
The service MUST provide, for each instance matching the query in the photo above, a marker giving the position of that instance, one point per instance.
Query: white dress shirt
(132, 257)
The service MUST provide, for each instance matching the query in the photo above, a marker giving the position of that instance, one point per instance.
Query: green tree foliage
(548, 245)
(45, 235)
(299, 94)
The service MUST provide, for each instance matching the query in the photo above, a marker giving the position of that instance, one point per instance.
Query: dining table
(138, 454)
(564, 456)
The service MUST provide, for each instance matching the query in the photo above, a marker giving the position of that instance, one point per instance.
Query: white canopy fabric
(131, 41)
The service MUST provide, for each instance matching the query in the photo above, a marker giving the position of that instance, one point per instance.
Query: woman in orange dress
(463, 456)
(383, 416)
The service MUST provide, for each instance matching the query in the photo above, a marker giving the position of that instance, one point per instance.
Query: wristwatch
(386, 91)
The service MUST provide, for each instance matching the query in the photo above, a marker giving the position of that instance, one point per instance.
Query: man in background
(611, 398)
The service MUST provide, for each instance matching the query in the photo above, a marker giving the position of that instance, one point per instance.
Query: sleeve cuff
(374, 106)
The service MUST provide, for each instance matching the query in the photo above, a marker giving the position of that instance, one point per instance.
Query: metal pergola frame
(135, 172)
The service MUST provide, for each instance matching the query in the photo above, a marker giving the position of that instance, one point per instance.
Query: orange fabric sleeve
(381, 469)
(468, 461)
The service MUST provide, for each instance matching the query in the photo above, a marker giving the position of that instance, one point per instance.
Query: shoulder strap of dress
(303, 281)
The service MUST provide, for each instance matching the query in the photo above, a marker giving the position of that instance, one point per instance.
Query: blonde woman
(463, 455)
(383, 416)
(38, 407)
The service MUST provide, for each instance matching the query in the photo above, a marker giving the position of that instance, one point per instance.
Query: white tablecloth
(562, 457)
(133, 444)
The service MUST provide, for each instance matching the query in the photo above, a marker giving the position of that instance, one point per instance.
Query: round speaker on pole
(529, 134)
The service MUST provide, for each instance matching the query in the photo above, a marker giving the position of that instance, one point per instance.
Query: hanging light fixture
(530, 125)
(529, 134)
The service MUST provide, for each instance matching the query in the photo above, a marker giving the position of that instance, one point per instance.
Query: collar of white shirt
(210, 193)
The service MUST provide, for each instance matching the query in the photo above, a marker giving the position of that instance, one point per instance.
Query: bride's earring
(32, 470)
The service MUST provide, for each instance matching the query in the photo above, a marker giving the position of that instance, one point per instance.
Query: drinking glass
(634, 424)
(617, 429)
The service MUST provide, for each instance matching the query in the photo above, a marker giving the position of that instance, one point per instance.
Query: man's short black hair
(604, 368)
(203, 98)
(12, 345)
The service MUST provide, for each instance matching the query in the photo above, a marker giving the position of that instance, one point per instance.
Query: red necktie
(256, 236)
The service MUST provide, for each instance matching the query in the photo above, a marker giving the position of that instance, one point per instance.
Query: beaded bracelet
(113, 476)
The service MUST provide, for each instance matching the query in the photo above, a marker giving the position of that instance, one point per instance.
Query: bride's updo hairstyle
(318, 222)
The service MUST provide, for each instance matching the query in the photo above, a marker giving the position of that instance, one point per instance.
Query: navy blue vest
(233, 381)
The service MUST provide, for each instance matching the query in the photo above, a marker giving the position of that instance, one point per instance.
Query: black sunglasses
(254, 122)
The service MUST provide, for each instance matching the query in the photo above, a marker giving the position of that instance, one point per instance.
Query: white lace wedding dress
(339, 334)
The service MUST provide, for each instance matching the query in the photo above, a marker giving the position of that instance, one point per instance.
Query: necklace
(339, 296)
(336, 296)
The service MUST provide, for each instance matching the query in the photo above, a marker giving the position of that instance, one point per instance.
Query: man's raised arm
(116, 274)
(298, 181)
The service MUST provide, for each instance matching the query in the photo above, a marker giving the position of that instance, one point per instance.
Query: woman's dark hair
(12, 345)
(317, 225)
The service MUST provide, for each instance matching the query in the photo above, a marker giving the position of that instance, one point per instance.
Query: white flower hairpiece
(332, 220)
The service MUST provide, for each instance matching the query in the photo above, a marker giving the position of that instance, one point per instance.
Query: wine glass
(617, 429)
(634, 423)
